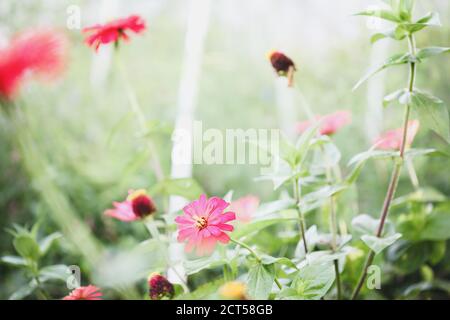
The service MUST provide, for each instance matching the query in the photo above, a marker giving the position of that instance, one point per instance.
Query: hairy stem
(396, 171)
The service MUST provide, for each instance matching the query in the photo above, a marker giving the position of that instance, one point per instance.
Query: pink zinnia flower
(137, 206)
(113, 31)
(244, 207)
(392, 139)
(329, 124)
(40, 53)
(204, 223)
(85, 293)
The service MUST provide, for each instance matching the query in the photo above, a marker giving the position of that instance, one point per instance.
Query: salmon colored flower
(244, 207)
(392, 139)
(40, 53)
(159, 287)
(85, 293)
(138, 205)
(113, 31)
(204, 223)
(282, 64)
(329, 124)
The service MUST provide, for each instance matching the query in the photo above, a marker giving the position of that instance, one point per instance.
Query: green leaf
(313, 281)
(395, 60)
(315, 199)
(397, 33)
(423, 195)
(430, 20)
(206, 291)
(54, 272)
(379, 244)
(23, 292)
(184, 187)
(432, 112)
(437, 225)
(260, 281)
(366, 224)
(26, 246)
(380, 13)
(429, 52)
(197, 265)
(244, 230)
(46, 243)
(269, 260)
(14, 261)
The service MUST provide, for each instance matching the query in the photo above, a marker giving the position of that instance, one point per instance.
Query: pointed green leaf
(260, 281)
(433, 113)
(431, 52)
(379, 244)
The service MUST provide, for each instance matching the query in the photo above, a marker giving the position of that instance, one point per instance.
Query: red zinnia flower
(283, 65)
(40, 53)
(392, 139)
(138, 205)
(113, 31)
(329, 124)
(85, 293)
(204, 223)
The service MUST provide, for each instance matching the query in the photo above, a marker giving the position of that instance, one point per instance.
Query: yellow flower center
(200, 222)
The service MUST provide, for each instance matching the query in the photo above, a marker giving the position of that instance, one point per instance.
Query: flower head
(392, 139)
(113, 31)
(234, 290)
(40, 53)
(282, 64)
(329, 124)
(244, 207)
(159, 287)
(204, 223)
(138, 205)
(85, 293)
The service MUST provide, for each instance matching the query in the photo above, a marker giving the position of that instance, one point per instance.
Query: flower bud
(159, 287)
(141, 203)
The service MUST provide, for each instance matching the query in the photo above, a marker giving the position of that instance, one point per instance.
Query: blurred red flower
(138, 205)
(113, 31)
(41, 53)
(85, 293)
(329, 124)
(392, 139)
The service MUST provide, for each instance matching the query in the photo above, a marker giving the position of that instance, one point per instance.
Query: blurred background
(208, 57)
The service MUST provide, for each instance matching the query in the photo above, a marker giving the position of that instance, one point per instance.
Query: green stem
(137, 110)
(301, 217)
(254, 254)
(333, 223)
(396, 171)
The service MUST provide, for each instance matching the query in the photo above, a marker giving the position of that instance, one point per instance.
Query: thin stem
(243, 245)
(301, 217)
(137, 110)
(396, 171)
(333, 222)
